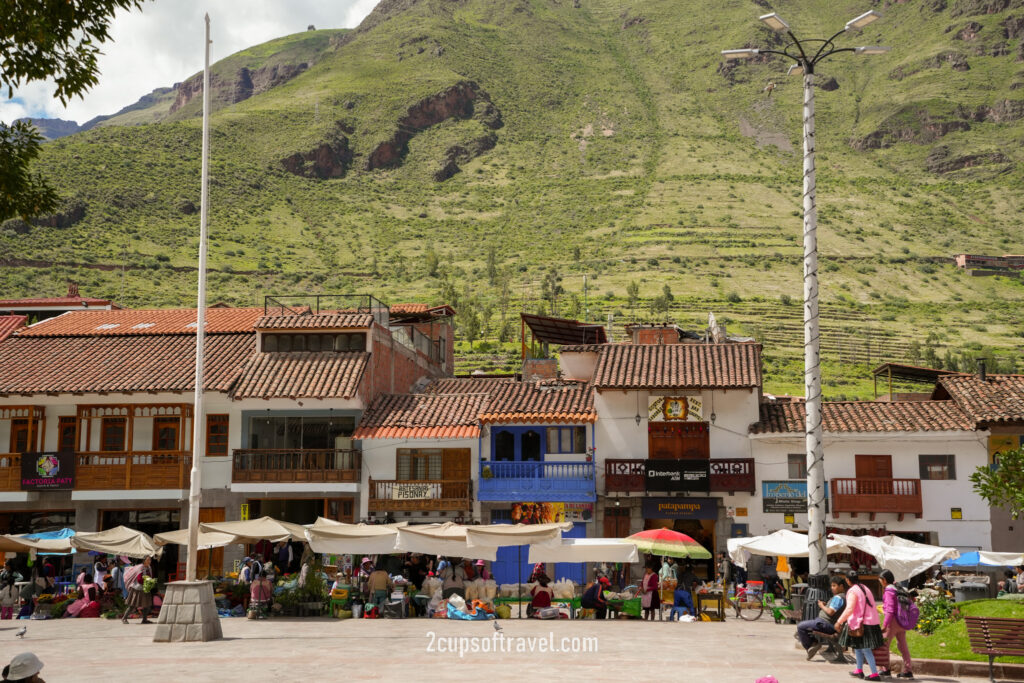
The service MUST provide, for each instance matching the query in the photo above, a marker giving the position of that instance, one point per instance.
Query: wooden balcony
(871, 496)
(733, 474)
(435, 494)
(532, 481)
(115, 471)
(294, 466)
(624, 476)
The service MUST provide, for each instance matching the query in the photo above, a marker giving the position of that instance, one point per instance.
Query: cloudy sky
(163, 44)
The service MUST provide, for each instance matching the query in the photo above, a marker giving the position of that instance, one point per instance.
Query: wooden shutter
(205, 562)
(455, 468)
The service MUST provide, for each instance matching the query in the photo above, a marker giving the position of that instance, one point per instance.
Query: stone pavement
(326, 649)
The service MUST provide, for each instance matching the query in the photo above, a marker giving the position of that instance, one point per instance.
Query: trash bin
(970, 591)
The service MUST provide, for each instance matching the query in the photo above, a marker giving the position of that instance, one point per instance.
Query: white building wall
(380, 462)
(972, 532)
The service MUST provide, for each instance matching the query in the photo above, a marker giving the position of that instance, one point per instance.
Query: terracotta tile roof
(999, 398)
(512, 401)
(327, 321)
(865, 416)
(675, 366)
(307, 374)
(143, 322)
(52, 301)
(35, 365)
(9, 323)
(396, 416)
(409, 308)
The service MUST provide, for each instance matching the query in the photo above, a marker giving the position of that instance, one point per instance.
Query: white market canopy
(22, 544)
(447, 539)
(1001, 559)
(585, 550)
(207, 539)
(784, 543)
(117, 541)
(255, 530)
(497, 535)
(902, 557)
(338, 538)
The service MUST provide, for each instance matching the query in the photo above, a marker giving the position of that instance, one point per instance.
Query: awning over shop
(784, 543)
(497, 535)
(985, 558)
(902, 557)
(585, 550)
(337, 538)
(117, 541)
(255, 530)
(207, 539)
(441, 539)
(44, 546)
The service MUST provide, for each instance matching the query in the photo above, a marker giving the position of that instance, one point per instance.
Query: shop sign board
(680, 508)
(671, 476)
(47, 471)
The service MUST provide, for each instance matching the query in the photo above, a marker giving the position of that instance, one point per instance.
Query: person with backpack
(899, 615)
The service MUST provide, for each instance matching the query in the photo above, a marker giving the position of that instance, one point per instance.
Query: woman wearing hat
(24, 667)
(593, 597)
(138, 598)
(482, 571)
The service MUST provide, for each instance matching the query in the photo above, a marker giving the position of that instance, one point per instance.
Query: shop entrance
(303, 510)
(151, 522)
(700, 530)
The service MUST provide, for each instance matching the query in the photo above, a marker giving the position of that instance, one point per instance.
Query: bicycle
(748, 604)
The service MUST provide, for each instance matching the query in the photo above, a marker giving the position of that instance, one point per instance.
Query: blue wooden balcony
(567, 482)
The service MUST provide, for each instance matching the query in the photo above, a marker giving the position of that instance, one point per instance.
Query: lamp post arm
(780, 53)
(826, 44)
(803, 55)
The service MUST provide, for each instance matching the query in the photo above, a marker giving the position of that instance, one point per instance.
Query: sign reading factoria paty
(47, 471)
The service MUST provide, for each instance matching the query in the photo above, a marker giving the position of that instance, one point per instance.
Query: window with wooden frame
(24, 432)
(112, 433)
(797, 465)
(216, 435)
(567, 440)
(67, 434)
(165, 433)
(418, 464)
(937, 467)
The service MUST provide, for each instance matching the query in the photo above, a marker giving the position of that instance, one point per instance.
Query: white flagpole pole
(198, 416)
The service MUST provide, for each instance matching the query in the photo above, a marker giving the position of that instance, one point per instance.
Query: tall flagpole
(198, 416)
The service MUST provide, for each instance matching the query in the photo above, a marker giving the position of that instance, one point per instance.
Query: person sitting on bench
(825, 622)
(593, 598)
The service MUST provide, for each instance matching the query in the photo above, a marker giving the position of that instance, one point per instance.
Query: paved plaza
(325, 649)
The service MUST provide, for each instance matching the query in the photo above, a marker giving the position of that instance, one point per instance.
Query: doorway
(210, 561)
(874, 474)
(678, 440)
(700, 530)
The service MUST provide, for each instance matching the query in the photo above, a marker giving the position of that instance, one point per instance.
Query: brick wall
(394, 369)
(655, 335)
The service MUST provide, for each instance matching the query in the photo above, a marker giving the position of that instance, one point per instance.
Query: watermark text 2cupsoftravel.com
(499, 642)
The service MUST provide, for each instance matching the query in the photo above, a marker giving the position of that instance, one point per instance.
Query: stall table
(711, 603)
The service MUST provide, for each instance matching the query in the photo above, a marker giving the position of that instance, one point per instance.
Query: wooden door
(340, 510)
(676, 440)
(616, 522)
(455, 472)
(872, 468)
(210, 561)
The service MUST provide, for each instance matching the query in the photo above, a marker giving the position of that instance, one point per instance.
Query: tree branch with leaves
(1002, 484)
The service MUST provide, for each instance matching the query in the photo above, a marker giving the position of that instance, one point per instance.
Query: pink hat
(365, 560)
(479, 563)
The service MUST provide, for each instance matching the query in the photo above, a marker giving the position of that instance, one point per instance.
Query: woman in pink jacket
(890, 627)
(860, 613)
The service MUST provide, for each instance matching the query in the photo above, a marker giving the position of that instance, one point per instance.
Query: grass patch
(950, 640)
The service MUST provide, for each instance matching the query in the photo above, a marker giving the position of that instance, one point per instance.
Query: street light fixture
(863, 20)
(774, 22)
(806, 55)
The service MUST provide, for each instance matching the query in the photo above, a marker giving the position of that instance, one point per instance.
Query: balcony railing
(435, 494)
(293, 465)
(569, 482)
(871, 496)
(624, 476)
(733, 474)
(113, 470)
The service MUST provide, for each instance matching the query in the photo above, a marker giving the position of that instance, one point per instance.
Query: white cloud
(163, 44)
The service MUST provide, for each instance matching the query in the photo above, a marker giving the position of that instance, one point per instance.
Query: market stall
(337, 538)
(782, 543)
(585, 550)
(208, 540)
(120, 541)
(446, 539)
(498, 535)
(902, 557)
(255, 530)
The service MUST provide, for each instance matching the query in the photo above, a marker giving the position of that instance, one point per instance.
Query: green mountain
(462, 149)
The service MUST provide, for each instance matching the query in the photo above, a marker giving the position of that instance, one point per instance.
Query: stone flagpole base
(188, 614)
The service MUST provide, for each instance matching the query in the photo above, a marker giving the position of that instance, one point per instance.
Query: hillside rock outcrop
(460, 154)
(463, 100)
(244, 84)
(927, 122)
(970, 8)
(329, 159)
(941, 160)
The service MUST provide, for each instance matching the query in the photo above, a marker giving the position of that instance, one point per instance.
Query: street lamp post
(806, 55)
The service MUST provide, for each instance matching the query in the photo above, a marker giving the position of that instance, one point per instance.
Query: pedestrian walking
(9, 598)
(861, 631)
(651, 600)
(138, 597)
(891, 626)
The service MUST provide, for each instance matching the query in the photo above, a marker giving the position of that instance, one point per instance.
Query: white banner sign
(687, 408)
(410, 491)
